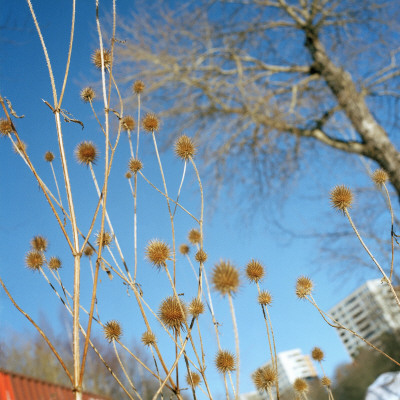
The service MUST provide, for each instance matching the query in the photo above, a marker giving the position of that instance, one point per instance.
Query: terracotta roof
(21, 387)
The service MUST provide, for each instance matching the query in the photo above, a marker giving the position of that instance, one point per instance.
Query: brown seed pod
(325, 381)
(138, 87)
(225, 361)
(193, 379)
(5, 127)
(201, 256)
(172, 313)
(148, 338)
(135, 165)
(34, 260)
(158, 252)
(128, 123)
(87, 94)
(128, 175)
(112, 330)
(264, 378)
(107, 239)
(151, 123)
(54, 263)
(88, 251)
(255, 271)
(380, 177)
(86, 153)
(196, 307)
(304, 287)
(225, 278)
(185, 148)
(317, 354)
(300, 385)
(184, 249)
(49, 156)
(96, 58)
(194, 236)
(265, 298)
(39, 243)
(341, 197)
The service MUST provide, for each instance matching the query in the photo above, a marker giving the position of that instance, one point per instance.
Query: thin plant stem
(236, 332)
(180, 188)
(391, 231)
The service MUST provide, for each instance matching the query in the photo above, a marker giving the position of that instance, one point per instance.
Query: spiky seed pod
(54, 263)
(49, 156)
(304, 287)
(39, 243)
(225, 361)
(264, 378)
(184, 249)
(172, 313)
(128, 175)
(196, 307)
(380, 177)
(158, 252)
(138, 87)
(20, 147)
(107, 239)
(96, 58)
(128, 123)
(5, 127)
(193, 380)
(112, 330)
(151, 123)
(255, 271)
(194, 236)
(317, 354)
(88, 251)
(86, 153)
(225, 278)
(185, 148)
(325, 381)
(87, 94)
(201, 256)
(34, 260)
(341, 197)
(265, 298)
(148, 338)
(135, 165)
(300, 385)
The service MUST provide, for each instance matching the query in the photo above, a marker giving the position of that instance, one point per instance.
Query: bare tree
(269, 79)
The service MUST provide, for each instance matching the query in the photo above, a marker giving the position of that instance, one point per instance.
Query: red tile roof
(20, 387)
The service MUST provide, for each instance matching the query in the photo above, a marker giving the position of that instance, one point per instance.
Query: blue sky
(228, 234)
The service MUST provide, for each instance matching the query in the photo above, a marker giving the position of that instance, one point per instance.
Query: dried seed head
(148, 338)
(201, 256)
(88, 251)
(225, 361)
(194, 236)
(49, 156)
(54, 263)
(265, 298)
(88, 94)
(138, 87)
(128, 123)
(96, 58)
(20, 147)
(185, 148)
(341, 197)
(112, 330)
(300, 385)
(86, 153)
(304, 287)
(317, 354)
(107, 239)
(158, 252)
(5, 127)
(380, 177)
(39, 243)
(128, 175)
(34, 260)
(193, 380)
(196, 307)
(184, 249)
(172, 313)
(151, 123)
(264, 378)
(135, 165)
(325, 381)
(225, 278)
(255, 271)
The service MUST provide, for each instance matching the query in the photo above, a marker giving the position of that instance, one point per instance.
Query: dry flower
(39, 243)
(138, 87)
(54, 263)
(341, 197)
(300, 385)
(49, 156)
(158, 252)
(87, 94)
(317, 354)
(112, 330)
(201, 256)
(20, 147)
(193, 380)
(185, 148)
(88, 251)
(380, 177)
(225, 361)
(135, 165)
(96, 58)
(225, 278)
(128, 123)
(265, 298)
(86, 153)
(325, 381)
(107, 239)
(304, 287)
(34, 260)
(264, 378)
(151, 123)
(184, 249)
(194, 236)
(196, 307)
(148, 338)
(128, 175)
(172, 313)
(5, 127)
(255, 271)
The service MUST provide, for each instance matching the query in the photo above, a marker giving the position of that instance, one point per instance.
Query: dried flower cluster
(317, 354)
(380, 177)
(39, 243)
(88, 251)
(138, 87)
(54, 263)
(304, 287)
(194, 236)
(193, 379)
(158, 252)
(172, 313)
(341, 197)
(151, 123)
(107, 239)
(255, 271)
(128, 123)
(196, 307)
(96, 58)
(264, 378)
(148, 338)
(5, 127)
(201, 256)
(49, 156)
(112, 330)
(86, 153)
(225, 361)
(184, 249)
(88, 94)
(34, 260)
(300, 385)
(135, 165)
(185, 148)
(265, 298)
(225, 278)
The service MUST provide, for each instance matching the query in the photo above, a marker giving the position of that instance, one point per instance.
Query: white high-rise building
(370, 311)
